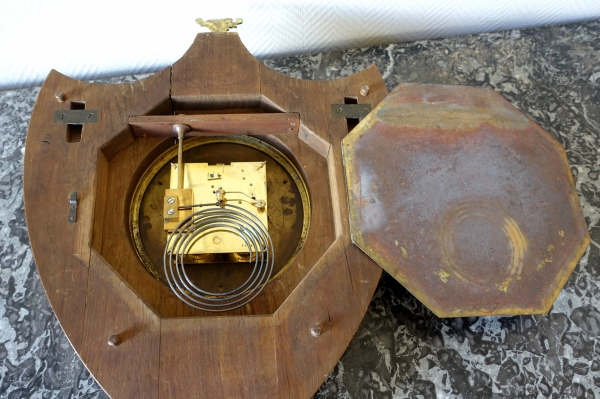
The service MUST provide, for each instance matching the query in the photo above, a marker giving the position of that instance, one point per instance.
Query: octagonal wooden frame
(241, 356)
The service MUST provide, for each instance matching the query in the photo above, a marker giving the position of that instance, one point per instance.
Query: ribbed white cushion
(90, 39)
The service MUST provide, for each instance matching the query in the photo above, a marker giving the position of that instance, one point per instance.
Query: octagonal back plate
(464, 200)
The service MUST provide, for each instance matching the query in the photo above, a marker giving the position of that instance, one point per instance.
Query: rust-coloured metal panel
(464, 200)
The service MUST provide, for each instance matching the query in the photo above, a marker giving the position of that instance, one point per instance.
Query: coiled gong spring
(211, 218)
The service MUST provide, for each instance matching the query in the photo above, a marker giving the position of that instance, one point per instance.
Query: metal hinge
(76, 116)
(352, 111)
(73, 207)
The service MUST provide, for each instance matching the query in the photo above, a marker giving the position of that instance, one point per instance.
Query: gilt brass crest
(219, 25)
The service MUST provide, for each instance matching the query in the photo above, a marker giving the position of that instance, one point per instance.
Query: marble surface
(401, 350)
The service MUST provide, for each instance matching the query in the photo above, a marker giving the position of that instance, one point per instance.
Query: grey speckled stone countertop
(401, 350)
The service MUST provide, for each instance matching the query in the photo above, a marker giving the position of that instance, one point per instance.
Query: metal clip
(73, 207)
(352, 111)
(76, 116)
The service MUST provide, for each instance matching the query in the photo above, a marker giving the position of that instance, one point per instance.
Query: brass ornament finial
(219, 25)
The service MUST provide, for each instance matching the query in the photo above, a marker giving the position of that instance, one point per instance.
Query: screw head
(316, 331)
(171, 211)
(114, 340)
(60, 96)
(339, 110)
(171, 200)
(364, 91)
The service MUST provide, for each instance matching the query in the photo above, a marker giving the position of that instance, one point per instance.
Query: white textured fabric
(90, 39)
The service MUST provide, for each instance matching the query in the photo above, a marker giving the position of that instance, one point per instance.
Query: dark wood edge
(216, 124)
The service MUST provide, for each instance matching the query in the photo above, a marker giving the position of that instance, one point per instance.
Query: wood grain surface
(98, 286)
(216, 124)
(114, 309)
(337, 291)
(53, 168)
(217, 72)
